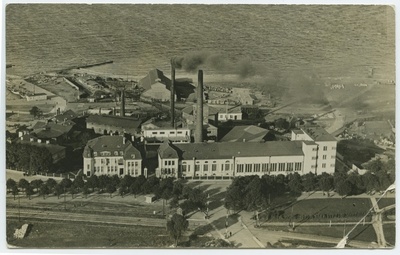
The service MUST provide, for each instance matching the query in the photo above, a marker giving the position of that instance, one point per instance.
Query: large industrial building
(111, 155)
(311, 150)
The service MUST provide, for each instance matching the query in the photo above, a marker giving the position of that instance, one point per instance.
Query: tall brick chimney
(172, 94)
(198, 138)
(122, 103)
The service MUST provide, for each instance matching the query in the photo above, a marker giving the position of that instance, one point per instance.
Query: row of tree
(252, 193)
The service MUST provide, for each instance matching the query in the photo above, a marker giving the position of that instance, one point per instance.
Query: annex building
(111, 155)
(311, 149)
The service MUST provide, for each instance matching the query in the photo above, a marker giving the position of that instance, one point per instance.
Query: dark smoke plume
(192, 61)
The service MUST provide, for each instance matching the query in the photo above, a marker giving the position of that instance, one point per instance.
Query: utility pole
(65, 200)
(19, 208)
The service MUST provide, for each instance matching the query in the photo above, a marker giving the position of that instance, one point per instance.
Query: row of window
(170, 132)
(265, 167)
(169, 162)
(108, 153)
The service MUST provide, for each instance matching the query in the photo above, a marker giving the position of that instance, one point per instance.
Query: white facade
(180, 135)
(322, 157)
(229, 116)
(111, 155)
(302, 155)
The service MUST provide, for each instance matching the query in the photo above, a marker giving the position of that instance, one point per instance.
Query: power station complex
(311, 149)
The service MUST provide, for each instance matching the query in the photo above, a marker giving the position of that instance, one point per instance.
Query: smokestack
(123, 103)
(172, 94)
(199, 118)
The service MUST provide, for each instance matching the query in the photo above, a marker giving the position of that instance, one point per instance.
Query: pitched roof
(245, 133)
(111, 144)
(237, 149)
(67, 115)
(152, 78)
(211, 110)
(167, 151)
(318, 133)
(50, 130)
(116, 121)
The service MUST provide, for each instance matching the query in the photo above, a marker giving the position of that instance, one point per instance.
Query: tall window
(323, 156)
(249, 168)
(323, 165)
(205, 168)
(240, 168)
(257, 168)
(184, 167)
(227, 166)
(289, 167)
(281, 167)
(264, 167)
(325, 148)
(214, 167)
(297, 166)
(273, 167)
(196, 167)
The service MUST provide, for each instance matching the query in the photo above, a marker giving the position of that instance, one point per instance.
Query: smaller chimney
(31, 139)
(48, 142)
(39, 140)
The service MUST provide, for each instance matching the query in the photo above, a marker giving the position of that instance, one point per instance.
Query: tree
(36, 184)
(371, 181)
(295, 184)
(176, 226)
(35, 111)
(255, 195)
(174, 203)
(78, 182)
(44, 190)
(122, 190)
(72, 190)
(110, 188)
(85, 190)
(23, 184)
(11, 184)
(186, 191)
(66, 183)
(177, 188)
(93, 182)
(234, 198)
(14, 191)
(325, 182)
(51, 184)
(29, 191)
(309, 182)
(343, 187)
(103, 181)
(58, 190)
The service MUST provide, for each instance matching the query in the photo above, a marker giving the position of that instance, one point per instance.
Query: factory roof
(112, 144)
(50, 130)
(318, 134)
(245, 133)
(68, 115)
(116, 121)
(211, 110)
(235, 149)
(154, 76)
(167, 151)
(235, 109)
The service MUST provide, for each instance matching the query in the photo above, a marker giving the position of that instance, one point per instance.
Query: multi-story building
(111, 155)
(158, 131)
(301, 155)
(108, 124)
(324, 145)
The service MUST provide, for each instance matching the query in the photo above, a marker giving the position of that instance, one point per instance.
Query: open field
(361, 233)
(54, 234)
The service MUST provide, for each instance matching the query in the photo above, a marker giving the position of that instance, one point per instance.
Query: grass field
(361, 233)
(324, 209)
(76, 235)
